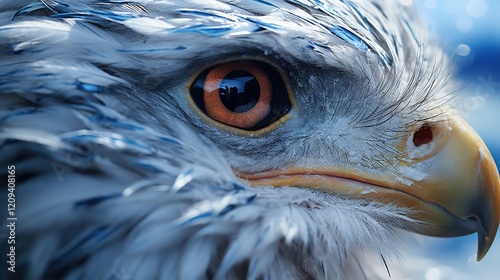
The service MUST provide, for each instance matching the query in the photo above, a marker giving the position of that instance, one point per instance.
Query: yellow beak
(459, 194)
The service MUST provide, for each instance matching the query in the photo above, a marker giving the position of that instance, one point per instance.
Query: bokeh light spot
(463, 50)
(433, 274)
(464, 25)
(476, 8)
(430, 4)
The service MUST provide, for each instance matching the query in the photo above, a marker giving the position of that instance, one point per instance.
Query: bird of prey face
(231, 139)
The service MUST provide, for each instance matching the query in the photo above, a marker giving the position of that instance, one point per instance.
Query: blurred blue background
(469, 31)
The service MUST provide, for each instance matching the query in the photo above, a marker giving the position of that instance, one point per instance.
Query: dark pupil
(239, 91)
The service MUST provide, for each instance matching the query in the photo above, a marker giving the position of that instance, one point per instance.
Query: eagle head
(232, 139)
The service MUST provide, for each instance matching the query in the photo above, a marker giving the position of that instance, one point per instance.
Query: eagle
(230, 139)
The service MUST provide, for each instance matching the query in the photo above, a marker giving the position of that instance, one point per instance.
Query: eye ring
(247, 97)
(217, 110)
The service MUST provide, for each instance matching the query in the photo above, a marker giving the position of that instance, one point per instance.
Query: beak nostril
(423, 135)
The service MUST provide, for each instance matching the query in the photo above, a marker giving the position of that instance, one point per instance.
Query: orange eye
(245, 94)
